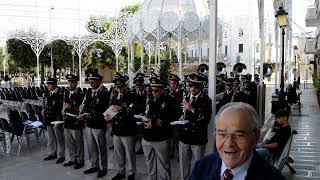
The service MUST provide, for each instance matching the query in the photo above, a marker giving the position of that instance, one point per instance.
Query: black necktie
(94, 94)
(227, 174)
(193, 100)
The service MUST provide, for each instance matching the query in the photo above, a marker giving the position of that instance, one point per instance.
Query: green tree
(164, 69)
(99, 24)
(61, 54)
(20, 56)
(131, 9)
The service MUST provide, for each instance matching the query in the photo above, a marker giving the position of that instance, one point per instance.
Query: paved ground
(305, 152)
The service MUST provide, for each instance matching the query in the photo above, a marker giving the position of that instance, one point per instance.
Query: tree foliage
(21, 57)
(131, 9)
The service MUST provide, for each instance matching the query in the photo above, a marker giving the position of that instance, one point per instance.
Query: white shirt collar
(96, 90)
(54, 91)
(196, 96)
(240, 172)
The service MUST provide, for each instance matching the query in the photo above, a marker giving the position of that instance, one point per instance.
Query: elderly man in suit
(237, 134)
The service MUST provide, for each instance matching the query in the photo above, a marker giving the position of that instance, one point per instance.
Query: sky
(21, 14)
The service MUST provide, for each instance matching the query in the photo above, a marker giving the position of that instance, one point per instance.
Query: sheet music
(57, 122)
(109, 112)
(36, 124)
(179, 122)
(143, 118)
(71, 115)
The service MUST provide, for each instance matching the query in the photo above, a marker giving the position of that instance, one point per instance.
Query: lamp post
(51, 58)
(72, 52)
(295, 50)
(282, 20)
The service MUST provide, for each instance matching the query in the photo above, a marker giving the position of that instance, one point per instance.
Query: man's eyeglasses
(239, 137)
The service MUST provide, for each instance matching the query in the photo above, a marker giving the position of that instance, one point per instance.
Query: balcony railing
(313, 17)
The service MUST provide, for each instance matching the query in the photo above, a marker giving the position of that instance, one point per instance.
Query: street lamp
(73, 72)
(295, 50)
(282, 20)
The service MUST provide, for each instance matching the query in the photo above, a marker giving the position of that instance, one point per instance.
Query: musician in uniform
(157, 132)
(250, 91)
(138, 105)
(124, 129)
(52, 113)
(73, 129)
(176, 93)
(227, 96)
(238, 95)
(95, 103)
(220, 85)
(193, 135)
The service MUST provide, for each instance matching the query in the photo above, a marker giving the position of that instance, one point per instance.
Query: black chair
(19, 130)
(5, 125)
(24, 116)
(29, 108)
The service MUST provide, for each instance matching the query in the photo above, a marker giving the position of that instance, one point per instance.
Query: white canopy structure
(178, 23)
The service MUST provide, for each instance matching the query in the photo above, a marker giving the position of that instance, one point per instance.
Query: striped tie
(227, 175)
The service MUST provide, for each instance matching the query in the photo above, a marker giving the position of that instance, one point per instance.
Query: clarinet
(185, 94)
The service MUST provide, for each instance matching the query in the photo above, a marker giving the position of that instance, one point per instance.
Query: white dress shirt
(240, 172)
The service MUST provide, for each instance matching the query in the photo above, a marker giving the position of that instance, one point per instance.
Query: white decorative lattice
(191, 21)
(149, 21)
(169, 21)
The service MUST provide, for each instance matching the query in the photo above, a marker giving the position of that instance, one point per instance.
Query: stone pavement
(305, 152)
(305, 149)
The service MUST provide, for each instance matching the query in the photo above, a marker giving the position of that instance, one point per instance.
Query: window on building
(240, 48)
(225, 50)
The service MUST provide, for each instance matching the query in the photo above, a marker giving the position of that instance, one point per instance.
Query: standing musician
(227, 95)
(138, 104)
(124, 129)
(95, 103)
(73, 129)
(176, 93)
(193, 135)
(157, 132)
(52, 112)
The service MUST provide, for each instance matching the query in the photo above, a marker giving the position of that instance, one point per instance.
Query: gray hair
(244, 106)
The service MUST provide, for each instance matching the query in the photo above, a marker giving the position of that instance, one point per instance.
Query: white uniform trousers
(157, 159)
(188, 155)
(55, 139)
(74, 143)
(97, 148)
(124, 151)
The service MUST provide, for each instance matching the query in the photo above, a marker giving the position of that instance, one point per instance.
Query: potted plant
(316, 84)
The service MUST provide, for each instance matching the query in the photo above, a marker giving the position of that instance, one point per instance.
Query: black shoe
(91, 170)
(111, 147)
(70, 163)
(60, 160)
(118, 176)
(131, 177)
(50, 157)
(101, 173)
(140, 151)
(79, 165)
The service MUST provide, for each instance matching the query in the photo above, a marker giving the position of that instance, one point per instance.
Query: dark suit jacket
(208, 168)
(195, 132)
(53, 108)
(96, 106)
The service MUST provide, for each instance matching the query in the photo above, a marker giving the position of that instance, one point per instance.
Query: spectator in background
(274, 146)
(7, 81)
(26, 82)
